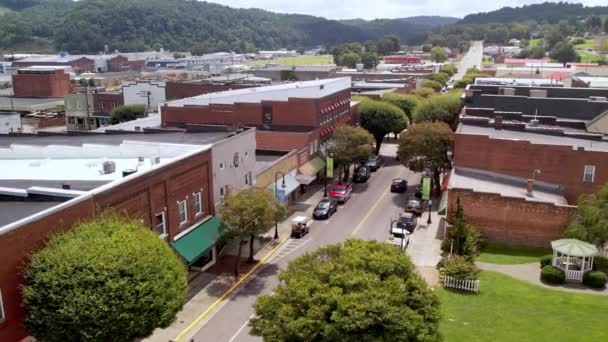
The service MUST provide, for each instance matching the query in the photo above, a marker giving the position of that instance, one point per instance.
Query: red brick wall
(55, 84)
(512, 221)
(141, 197)
(117, 63)
(283, 141)
(181, 90)
(105, 102)
(558, 164)
(83, 64)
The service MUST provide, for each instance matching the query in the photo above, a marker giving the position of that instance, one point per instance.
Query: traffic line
(238, 332)
(369, 213)
(228, 292)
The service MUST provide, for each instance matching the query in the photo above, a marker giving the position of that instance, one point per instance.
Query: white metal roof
(310, 89)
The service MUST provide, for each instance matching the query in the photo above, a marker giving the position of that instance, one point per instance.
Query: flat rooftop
(264, 159)
(504, 185)
(310, 90)
(518, 81)
(29, 104)
(534, 138)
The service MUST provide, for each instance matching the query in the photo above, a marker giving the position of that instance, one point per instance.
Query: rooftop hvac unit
(156, 160)
(109, 167)
(534, 123)
(538, 93)
(597, 98)
(137, 129)
(506, 91)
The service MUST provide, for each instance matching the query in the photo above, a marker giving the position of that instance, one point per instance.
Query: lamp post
(276, 194)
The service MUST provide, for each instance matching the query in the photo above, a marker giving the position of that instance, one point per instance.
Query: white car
(399, 237)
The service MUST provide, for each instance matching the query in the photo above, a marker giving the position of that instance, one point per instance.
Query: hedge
(552, 275)
(546, 260)
(595, 279)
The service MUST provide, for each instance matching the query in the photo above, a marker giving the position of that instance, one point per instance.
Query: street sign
(330, 167)
(426, 188)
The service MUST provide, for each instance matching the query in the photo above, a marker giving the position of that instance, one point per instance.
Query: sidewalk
(208, 287)
(425, 246)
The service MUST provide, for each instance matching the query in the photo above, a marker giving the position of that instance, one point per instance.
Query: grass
(296, 61)
(533, 42)
(587, 57)
(502, 254)
(588, 45)
(508, 310)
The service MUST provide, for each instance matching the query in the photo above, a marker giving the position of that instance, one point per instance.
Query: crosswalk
(288, 248)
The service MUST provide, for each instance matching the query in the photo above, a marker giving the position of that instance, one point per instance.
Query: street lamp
(429, 219)
(276, 194)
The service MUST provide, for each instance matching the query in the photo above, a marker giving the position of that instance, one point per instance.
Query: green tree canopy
(425, 145)
(110, 279)
(591, 221)
(423, 92)
(370, 60)
(449, 69)
(247, 215)
(443, 107)
(381, 118)
(350, 59)
(127, 113)
(438, 54)
(355, 291)
(350, 144)
(407, 103)
(564, 52)
(440, 77)
(436, 86)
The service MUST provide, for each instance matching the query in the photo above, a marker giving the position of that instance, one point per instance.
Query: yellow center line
(227, 293)
(369, 213)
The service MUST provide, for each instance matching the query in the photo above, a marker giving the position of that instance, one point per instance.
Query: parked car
(399, 185)
(414, 206)
(362, 174)
(408, 221)
(325, 208)
(418, 192)
(300, 225)
(399, 237)
(374, 163)
(341, 192)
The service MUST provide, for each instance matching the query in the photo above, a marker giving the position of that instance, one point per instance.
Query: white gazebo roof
(574, 247)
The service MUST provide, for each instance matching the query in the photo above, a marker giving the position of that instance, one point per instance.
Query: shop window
(198, 207)
(183, 212)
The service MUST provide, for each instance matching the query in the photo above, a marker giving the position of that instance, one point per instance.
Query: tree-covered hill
(549, 12)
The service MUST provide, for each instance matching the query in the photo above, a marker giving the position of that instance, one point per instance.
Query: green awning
(443, 203)
(198, 241)
(313, 167)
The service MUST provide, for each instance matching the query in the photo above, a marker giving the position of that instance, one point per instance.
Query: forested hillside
(548, 12)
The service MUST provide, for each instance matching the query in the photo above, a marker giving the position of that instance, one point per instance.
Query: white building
(149, 93)
(10, 122)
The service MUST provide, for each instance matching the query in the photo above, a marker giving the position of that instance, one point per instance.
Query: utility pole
(86, 101)
(147, 94)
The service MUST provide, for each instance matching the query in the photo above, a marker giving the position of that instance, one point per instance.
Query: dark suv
(362, 174)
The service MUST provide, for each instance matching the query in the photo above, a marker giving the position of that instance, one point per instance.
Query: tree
(440, 77)
(91, 82)
(354, 291)
(110, 279)
(462, 238)
(591, 221)
(436, 86)
(381, 118)
(350, 59)
(370, 60)
(127, 113)
(423, 92)
(552, 37)
(425, 145)
(564, 52)
(426, 48)
(438, 55)
(350, 144)
(247, 215)
(606, 25)
(449, 69)
(407, 103)
(444, 107)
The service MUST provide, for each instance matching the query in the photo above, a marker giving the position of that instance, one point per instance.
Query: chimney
(530, 187)
(498, 122)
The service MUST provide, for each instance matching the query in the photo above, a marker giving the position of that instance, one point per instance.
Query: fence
(461, 284)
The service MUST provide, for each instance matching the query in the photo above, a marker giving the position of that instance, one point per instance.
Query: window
(222, 191)
(183, 212)
(221, 165)
(2, 316)
(71, 120)
(246, 179)
(196, 199)
(159, 222)
(589, 174)
(101, 104)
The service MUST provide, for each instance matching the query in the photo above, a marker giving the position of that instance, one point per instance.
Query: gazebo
(573, 256)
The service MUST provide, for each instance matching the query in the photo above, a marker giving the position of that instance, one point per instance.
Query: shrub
(436, 86)
(442, 262)
(595, 279)
(552, 275)
(423, 92)
(546, 260)
(459, 267)
(600, 264)
(440, 77)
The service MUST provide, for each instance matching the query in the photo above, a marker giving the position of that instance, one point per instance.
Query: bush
(436, 86)
(546, 260)
(600, 264)
(459, 267)
(595, 279)
(552, 275)
(440, 77)
(423, 92)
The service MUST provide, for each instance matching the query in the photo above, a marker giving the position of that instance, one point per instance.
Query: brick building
(52, 182)
(181, 90)
(41, 82)
(402, 59)
(120, 63)
(105, 102)
(78, 63)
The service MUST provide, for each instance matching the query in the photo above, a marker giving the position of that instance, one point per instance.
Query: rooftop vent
(109, 167)
(534, 123)
(137, 129)
(156, 160)
(127, 172)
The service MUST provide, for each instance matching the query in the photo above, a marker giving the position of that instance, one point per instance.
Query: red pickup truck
(341, 192)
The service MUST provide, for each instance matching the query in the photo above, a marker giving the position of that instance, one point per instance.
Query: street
(366, 215)
(472, 59)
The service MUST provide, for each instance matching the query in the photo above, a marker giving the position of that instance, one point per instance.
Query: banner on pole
(330, 167)
(426, 188)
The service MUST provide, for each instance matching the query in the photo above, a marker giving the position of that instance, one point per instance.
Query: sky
(372, 9)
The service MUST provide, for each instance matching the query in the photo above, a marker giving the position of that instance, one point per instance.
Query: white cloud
(366, 9)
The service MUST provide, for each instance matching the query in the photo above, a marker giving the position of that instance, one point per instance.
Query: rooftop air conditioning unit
(534, 123)
(156, 160)
(538, 93)
(137, 129)
(109, 167)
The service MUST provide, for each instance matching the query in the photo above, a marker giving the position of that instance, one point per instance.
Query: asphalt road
(366, 215)
(472, 59)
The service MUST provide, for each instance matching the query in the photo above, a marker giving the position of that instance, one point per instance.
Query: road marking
(228, 292)
(369, 213)
(240, 329)
(292, 246)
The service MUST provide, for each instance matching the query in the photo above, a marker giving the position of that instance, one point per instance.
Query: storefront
(286, 190)
(197, 247)
(310, 171)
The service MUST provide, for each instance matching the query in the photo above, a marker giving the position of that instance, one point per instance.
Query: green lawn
(502, 254)
(587, 57)
(509, 310)
(533, 42)
(296, 61)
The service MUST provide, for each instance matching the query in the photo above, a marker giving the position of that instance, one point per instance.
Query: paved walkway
(207, 288)
(531, 273)
(425, 247)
